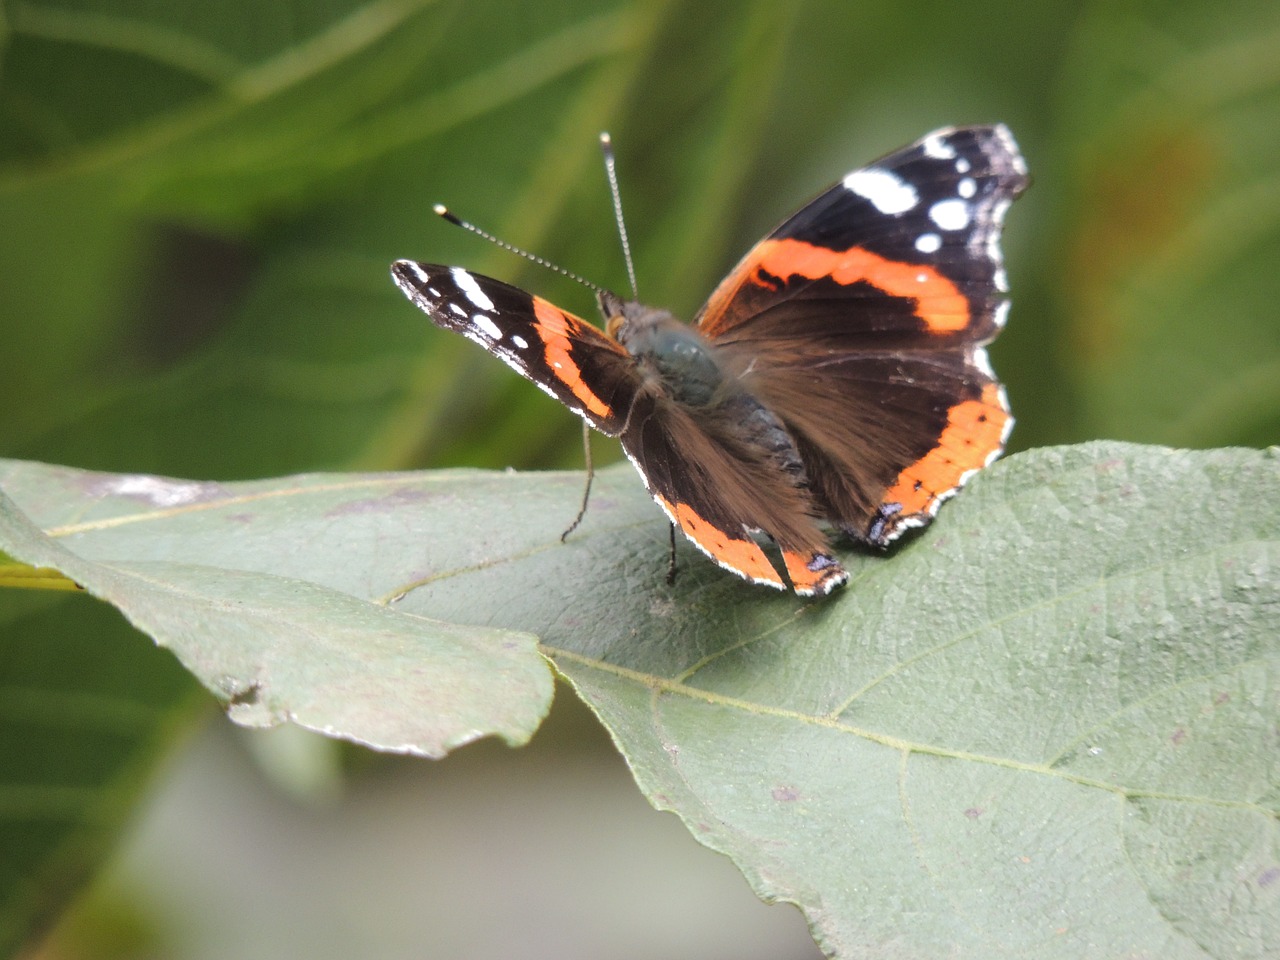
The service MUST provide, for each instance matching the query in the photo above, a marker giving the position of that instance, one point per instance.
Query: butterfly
(836, 379)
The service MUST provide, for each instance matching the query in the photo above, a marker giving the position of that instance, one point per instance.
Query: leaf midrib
(660, 686)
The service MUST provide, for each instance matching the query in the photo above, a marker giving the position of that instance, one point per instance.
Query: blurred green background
(198, 205)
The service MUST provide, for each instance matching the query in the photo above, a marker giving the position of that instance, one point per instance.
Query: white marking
(161, 493)
(967, 187)
(1008, 422)
(983, 363)
(939, 149)
(457, 309)
(487, 326)
(467, 284)
(887, 192)
(962, 166)
(518, 365)
(556, 364)
(922, 278)
(433, 292)
(423, 277)
(1000, 279)
(520, 342)
(928, 243)
(993, 247)
(1001, 316)
(950, 214)
(1011, 147)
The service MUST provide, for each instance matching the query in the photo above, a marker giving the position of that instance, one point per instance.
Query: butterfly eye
(613, 324)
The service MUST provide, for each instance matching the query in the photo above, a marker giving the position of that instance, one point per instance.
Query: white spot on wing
(467, 284)
(1008, 424)
(487, 326)
(1011, 148)
(983, 362)
(950, 214)
(520, 342)
(928, 243)
(967, 187)
(457, 309)
(998, 210)
(962, 166)
(422, 276)
(939, 149)
(887, 192)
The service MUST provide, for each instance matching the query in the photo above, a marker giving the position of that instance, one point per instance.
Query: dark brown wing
(862, 320)
(719, 478)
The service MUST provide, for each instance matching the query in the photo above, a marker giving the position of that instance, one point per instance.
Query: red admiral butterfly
(837, 374)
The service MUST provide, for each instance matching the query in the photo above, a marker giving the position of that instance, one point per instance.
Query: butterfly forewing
(568, 358)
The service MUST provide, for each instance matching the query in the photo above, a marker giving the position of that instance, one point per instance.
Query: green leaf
(1045, 727)
(233, 579)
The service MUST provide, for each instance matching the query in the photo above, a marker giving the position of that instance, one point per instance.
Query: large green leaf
(264, 591)
(1045, 727)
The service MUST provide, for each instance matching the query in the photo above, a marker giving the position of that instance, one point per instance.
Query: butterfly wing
(719, 480)
(568, 358)
(861, 323)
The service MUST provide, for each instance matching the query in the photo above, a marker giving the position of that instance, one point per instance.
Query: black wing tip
(409, 275)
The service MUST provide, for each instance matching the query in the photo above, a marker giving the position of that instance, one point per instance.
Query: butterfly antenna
(443, 211)
(610, 168)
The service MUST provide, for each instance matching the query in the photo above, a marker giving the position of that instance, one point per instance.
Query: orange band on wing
(739, 554)
(813, 573)
(939, 303)
(553, 328)
(974, 431)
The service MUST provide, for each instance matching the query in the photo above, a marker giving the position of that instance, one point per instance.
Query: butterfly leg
(586, 492)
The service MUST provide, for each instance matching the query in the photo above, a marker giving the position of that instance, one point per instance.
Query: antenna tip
(605, 139)
(442, 211)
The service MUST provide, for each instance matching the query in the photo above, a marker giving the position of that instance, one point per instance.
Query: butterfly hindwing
(720, 479)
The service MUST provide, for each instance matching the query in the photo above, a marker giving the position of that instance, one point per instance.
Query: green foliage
(198, 204)
(899, 743)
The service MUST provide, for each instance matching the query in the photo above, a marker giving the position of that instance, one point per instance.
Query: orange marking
(553, 327)
(939, 303)
(737, 553)
(807, 582)
(973, 432)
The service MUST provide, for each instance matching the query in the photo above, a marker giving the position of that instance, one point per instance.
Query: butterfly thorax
(667, 351)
